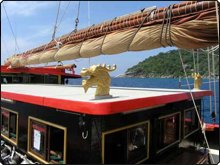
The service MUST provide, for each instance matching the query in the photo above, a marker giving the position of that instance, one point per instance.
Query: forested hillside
(169, 65)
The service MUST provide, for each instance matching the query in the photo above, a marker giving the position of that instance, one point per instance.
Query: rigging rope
(55, 26)
(77, 18)
(76, 23)
(209, 70)
(65, 10)
(217, 16)
(166, 20)
(194, 61)
(16, 43)
(197, 70)
(89, 25)
(197, 112)
(213, 71)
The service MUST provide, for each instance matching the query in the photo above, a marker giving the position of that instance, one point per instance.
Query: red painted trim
(104, 108)
(39, 71)
(209, 125)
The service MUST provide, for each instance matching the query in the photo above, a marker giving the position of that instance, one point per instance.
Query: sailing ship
(58, 124)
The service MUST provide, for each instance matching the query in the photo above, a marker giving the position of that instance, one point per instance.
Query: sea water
(171, 83)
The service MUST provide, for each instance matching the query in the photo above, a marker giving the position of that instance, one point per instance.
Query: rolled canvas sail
(188, 29)
(68, 52)
(34, 59)
(48, 56)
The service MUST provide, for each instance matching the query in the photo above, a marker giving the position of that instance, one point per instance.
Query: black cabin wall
(89, 150)
(77, 147)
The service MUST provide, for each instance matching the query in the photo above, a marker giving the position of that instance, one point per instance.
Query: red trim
(104, 108)
(39, 70)
(209, 126)
(39, 128)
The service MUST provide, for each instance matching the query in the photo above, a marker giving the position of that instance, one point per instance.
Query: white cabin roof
(75, 96)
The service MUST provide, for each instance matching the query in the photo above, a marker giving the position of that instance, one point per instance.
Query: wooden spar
(101, 29)
(181, 13)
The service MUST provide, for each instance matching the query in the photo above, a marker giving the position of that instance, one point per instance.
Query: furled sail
(188, 25)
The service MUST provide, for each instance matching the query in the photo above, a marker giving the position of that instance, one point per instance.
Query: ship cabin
(61, 124)
(41, 75)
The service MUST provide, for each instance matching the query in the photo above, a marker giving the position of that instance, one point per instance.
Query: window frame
(179, 139)
(15, 142)
(184, 112)
(124, 128)
(43, 122)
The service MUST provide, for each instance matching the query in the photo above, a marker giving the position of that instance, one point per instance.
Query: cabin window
(168, 132)
(47, 141)
(126, 145)
(9, 122)
(38, 139)
(190, 121)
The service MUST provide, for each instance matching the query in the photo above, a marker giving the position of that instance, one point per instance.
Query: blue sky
(33, 23)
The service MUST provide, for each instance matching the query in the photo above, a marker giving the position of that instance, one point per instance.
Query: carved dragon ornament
(98, 76)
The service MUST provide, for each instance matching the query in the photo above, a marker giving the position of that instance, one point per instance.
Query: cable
(89, 25)
(65, 10)
(190, 91)
(194, 61)
(213, 71)
(77, 18)
(209, 70)
(76, 23)
(210, 50)
(55, 26)
(16, 43)
(217, 17)
(197, 55)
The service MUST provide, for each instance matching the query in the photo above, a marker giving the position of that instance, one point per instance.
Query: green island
(168, 65)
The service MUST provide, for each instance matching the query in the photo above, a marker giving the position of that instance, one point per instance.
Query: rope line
(167, 20)
(77, 18)
(217, 17)
(194, 61)
(76, 23)
(55, 26)
(9, 22)
(210, 88)
(65, 10)
(213, 71)
(197, 55)
(89, 25)
(140, 27)
(197, 112)
(105, 36)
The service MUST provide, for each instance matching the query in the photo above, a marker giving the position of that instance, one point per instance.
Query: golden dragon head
(98, 76)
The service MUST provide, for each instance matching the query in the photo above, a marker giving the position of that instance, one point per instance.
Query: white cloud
(25, 8)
